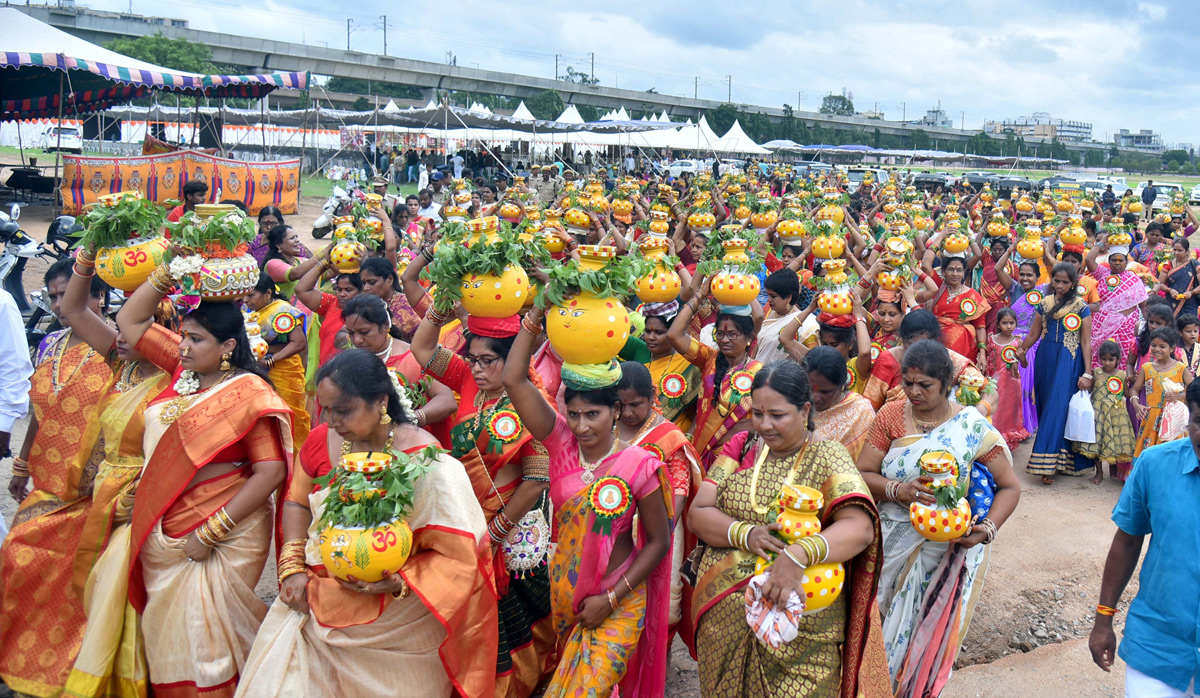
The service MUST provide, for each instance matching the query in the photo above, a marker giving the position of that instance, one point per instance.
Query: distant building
(870, 114)
(934, 117)
(1144, 139)
(70, 7)
(1040, 125)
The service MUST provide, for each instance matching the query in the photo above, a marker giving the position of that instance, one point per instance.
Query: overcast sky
(1113, 63)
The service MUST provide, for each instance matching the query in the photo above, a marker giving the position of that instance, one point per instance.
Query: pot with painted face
(588, 329)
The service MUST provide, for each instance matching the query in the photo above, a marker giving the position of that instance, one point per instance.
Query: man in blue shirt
(1162, 634)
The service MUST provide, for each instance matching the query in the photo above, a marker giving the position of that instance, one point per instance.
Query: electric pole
(348, 22)
(729, 93)
(384, 18)
(556, 57)
(963, 124)
(696, 88)
(592, 75)
(903, 111)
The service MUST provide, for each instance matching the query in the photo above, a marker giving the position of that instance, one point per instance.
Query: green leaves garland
(129, 219)
(354, 500)
(230, 230)
(454, 260)
(618, 278)
(948, 495)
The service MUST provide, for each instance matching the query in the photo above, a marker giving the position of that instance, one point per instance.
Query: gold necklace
(128, 378)
(589, 467)
(650, 423)
(481, 413)
(926, 427)
(56, 360)
(387, 445)
(762, 458)
(176, 407)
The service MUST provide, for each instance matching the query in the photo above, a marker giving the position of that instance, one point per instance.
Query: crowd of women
(165, 462)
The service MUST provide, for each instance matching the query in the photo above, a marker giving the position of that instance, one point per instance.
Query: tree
(546, 105)
(919, 140)
(358, 86)
(579, 77)
(721, 118)
(590, 113)
(1177, 155)
(837, 104)
(1093, 158)
(362, 104)
(176, 54)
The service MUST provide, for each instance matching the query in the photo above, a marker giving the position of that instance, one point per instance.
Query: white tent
(522, 112)
(736, 141)
(391, 106)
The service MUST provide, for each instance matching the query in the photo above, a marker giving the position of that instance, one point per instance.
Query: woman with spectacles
(723, 408)
(510, 472)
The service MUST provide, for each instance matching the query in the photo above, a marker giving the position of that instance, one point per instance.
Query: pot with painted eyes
(587, 329)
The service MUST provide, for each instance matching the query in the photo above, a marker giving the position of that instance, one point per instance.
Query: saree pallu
(838, 651)
(630, 647)
(1181, 280)
(287, 377)
(440, 640)
(846, 422)
(960, 317)
(719, 409)
(678, 384)
(208, 609)
(1056, 375)
(112, 660)
(1119, 293)
(41, 611)
(924, 621)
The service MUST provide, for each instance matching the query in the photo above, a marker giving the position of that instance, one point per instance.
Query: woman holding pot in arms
(735, 512)
(891, 463)
(609, 595)
(217, 445)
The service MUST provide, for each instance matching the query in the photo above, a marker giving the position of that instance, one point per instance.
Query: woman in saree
(217, 446)
(285, 262)
(960, 310)
(838, 414)
(1178, 283)
(426, 629)
(269, 218)
(509, 472)
(783, 296)
(37, 597)
(1024, 296)
(379, 278)
(830, 655)
(724, 401)
(847, 334)
(326, 312)
(609, 594)
(986, 276)
(451, 334)
(1121, 294)
(919, 574)
(643, 424)
(678, 382)
(1064, 365)
(281, 325)
(111, 659)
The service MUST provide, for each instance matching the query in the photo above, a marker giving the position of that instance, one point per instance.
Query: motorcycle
(19, 248)
(339, 203)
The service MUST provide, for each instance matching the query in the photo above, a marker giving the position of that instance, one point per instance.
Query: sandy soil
(1027, 637)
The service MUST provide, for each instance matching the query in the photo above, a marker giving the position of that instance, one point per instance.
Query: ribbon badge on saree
(658, 452)
(673, 385)
(1113, 281)
(1072, 322)
(608, 497)
(503, 428)
(876, 350)
(1081, 290)
(283, 323)
(740, 384)
(1115, 385)
(1033, 297)
(1009, 354)
(967, 309)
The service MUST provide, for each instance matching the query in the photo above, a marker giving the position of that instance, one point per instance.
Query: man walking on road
(1149, 194)
(1161, 499)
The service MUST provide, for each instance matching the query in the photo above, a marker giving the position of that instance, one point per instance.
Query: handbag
(528, 545)
(1081, 419)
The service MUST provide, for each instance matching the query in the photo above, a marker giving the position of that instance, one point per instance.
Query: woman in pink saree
(1121, 292)
(609, 595)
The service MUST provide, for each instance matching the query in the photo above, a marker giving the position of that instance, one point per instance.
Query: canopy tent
(48, 72)
(736, 141)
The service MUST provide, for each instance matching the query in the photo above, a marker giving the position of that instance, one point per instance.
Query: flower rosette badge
(1113, 282)
(503, 428)
(1033, 297)
(1009, 355)
(283, 323)
(967, 309)
(1115, 385)
(876, 350)
(740, 384)
(609, 498)
(1072, 322)
(673, 385)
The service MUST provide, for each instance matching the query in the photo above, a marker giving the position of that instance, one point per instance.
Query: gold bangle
(20, 467)
(83, 258)
(225, 519)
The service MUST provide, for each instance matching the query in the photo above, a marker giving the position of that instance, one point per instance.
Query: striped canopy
(93, 78)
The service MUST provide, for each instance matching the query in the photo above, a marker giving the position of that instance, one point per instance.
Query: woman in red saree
(723, 406)
(217, 446)
(36, 562)
(961, 310)
(609, 593)
(509, 471)
(427, 629)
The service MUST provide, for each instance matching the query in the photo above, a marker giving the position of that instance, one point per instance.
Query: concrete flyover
(256, 54)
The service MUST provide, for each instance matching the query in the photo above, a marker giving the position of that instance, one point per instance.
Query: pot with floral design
(950, 517)
(127, 266)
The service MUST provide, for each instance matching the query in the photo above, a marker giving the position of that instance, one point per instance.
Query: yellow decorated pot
(662, 284)
(587, 329)
(622, 207)
(1024, 205)
(828, 247)
(735, 251)
(831, 212)
(553, 243)
(510, 212)
(734, 288)
(347, 256)
(225, 276)
(1030, 247)
(1064, 205)
(1135, 207)
(367, 554)
(488, 295)
(935, 524)
(997, 227)
(702, 222)
(798, 514)
(454, 213)
(742, 213)
(957, 243)
(763, 219)
(128, 266)
(791, 231)
(110, 200)
(1073, 236)
(836, 302)
(889, 280)
(578, 221)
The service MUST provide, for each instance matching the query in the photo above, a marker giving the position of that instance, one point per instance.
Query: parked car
(1195, 197)
(691, 167)
(1006, 185)
(976, 180)
(70, 141)
(855, 176)
(1166, 192)
(1051, 182)
(930, 181)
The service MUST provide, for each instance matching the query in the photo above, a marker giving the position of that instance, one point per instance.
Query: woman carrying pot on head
(728, 371)
(783, 298)
(422, 630)
(643, 424)
(509, 471)
(839, 414)
(1121, 294)
(379, 278)
(921, 646)
(1024, 297)
(281, 326)
(676, 380)
(69, 383)
(960, 309)
(327, 307)
(218, 443)
(822, 653)
(284, 261)
(609, 594)
(369, 326)
(101, 574)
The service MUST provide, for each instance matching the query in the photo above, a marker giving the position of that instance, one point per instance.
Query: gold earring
(384, 417)
(225, 365)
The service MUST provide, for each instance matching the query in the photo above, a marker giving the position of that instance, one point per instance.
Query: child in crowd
(1189, 333)
(1002, 368)
(1114, 431)
(1164, 378)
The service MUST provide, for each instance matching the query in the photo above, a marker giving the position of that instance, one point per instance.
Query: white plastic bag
(1081, 419)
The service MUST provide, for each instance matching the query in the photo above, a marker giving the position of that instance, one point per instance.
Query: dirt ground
(1028, 633)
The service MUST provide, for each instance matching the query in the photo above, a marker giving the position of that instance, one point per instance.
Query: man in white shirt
(15, 369)
(429, 208)
(458, 165)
